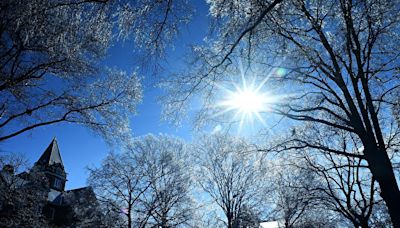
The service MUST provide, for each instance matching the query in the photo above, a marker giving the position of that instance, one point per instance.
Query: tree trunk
(129, 221)
(230, 219)
(129, 217)
(382, 170)
(164, 221)
(364, 224)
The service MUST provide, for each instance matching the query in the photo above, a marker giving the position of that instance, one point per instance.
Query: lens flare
(280, 72)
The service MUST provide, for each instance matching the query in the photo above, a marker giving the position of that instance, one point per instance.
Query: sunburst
(247, 101)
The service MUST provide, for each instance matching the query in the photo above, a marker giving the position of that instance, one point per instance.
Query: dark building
(71, 208)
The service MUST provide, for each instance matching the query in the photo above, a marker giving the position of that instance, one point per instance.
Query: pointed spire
(51, 155)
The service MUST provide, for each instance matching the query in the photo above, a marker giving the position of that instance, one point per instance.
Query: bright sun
(247, 101)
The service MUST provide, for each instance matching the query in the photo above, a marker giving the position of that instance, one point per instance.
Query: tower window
(57, 183)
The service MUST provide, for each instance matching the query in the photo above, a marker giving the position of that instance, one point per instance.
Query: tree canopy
(340, 62)
(50, 61)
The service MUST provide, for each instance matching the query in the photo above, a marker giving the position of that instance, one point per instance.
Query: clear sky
(78, 146)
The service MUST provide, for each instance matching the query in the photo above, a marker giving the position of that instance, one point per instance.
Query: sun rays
(247, 100)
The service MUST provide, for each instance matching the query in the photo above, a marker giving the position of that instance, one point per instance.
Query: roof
(51, 155)
(272, 224)
(87, 188)
(84, 194)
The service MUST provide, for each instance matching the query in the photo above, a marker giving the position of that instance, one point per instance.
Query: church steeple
(51, 155)
(51, 164)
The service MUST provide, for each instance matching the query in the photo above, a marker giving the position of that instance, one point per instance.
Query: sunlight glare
(247, 101)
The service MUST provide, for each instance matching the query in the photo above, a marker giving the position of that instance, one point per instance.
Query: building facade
(42, 197)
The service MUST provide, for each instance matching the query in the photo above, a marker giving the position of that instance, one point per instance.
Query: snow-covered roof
(272, 224)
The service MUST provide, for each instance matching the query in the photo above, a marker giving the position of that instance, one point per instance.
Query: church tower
(51, 165)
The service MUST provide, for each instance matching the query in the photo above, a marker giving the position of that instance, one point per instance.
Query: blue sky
(79, 147)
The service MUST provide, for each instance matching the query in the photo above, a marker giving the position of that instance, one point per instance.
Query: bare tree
(50, 60)
(341, 59)
(118, 184)
(296, 203)
(149, 183)
(348, 187)
(347, 190)
(164, 161)
(230, 176)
